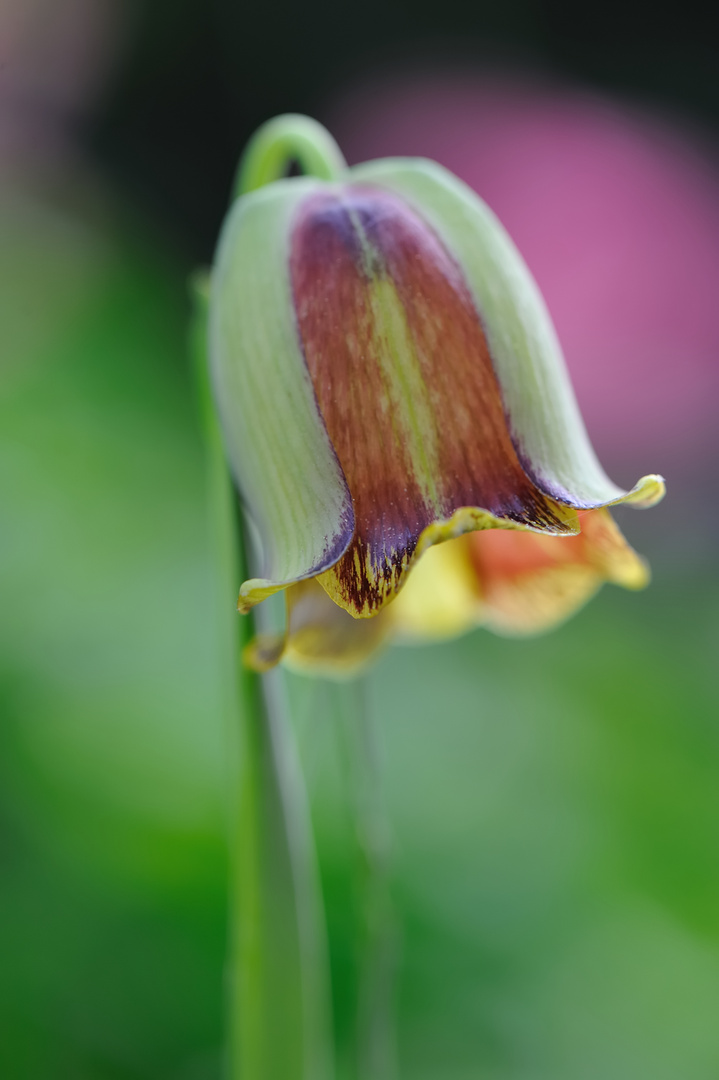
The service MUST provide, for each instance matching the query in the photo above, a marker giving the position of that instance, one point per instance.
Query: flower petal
(441, 598)
(514, 582)
(320, 637)
(401, 370)
(281, 456)
(511, 581)
(546, 426)
(531, 586)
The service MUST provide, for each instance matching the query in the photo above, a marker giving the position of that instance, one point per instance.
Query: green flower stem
(278, 983)
(286, 139)
(376, 1051)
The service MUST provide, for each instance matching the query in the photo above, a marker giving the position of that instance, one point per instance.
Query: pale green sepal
(282, 459)
(544, 418)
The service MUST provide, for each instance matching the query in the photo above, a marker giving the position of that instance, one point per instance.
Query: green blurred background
(553, 803)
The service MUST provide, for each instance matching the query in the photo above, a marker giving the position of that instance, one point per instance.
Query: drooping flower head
(388, 379)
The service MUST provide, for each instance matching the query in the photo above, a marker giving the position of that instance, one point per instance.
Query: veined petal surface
(403, 377)
(283, 461)
(545, 423)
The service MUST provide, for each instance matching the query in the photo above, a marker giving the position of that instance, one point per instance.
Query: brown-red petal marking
(404, 381)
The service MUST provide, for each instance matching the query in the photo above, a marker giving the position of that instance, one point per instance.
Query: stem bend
(288, 138)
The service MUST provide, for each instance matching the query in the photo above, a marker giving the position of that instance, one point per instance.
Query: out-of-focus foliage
(112, 921)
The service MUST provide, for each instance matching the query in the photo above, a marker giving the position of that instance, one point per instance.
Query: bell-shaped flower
(388, 378)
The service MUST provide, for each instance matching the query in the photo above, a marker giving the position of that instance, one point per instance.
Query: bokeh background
(553, 804)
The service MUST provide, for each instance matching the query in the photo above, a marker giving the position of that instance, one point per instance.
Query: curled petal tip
(636, 575)
(646, 492)
(254, 591)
